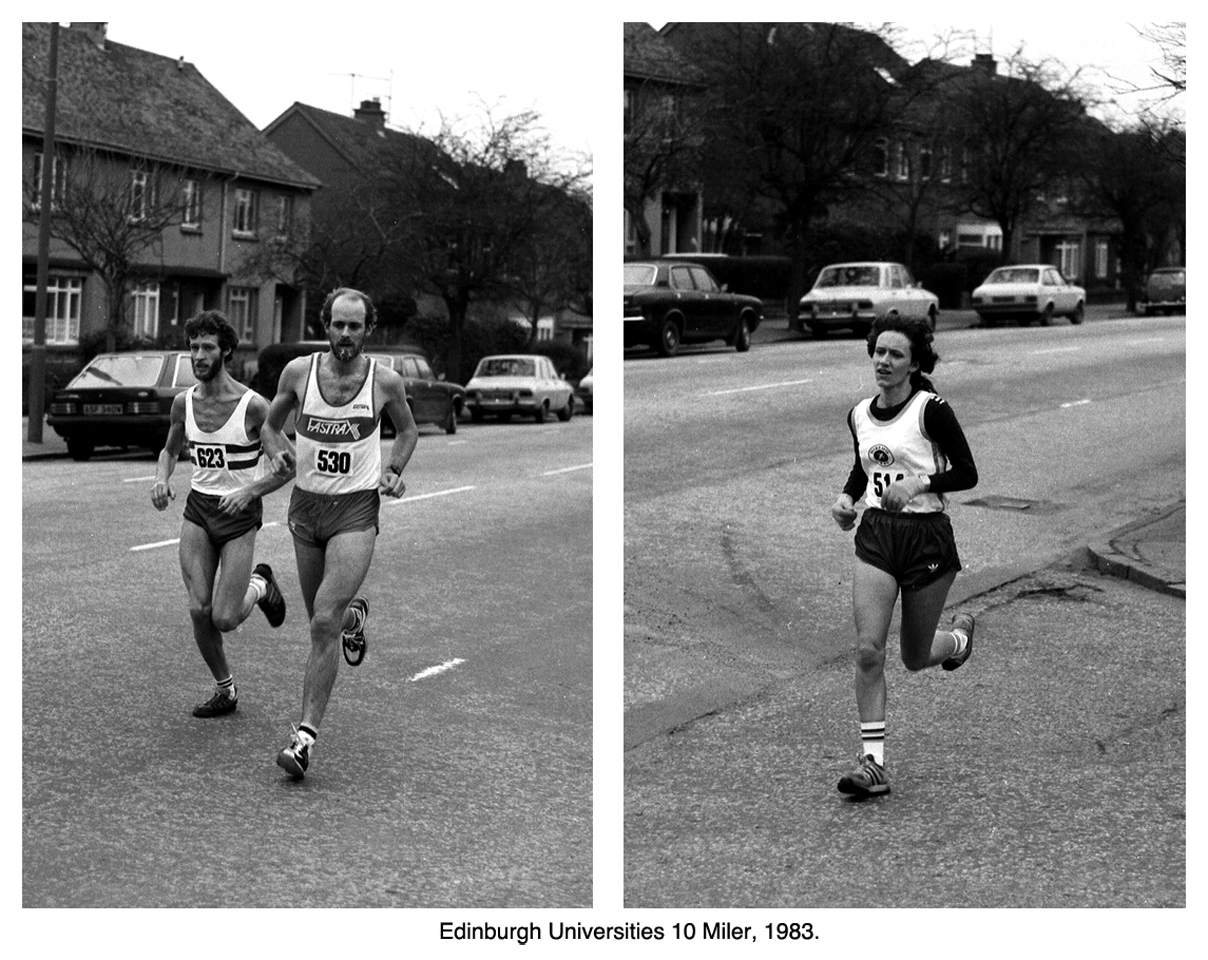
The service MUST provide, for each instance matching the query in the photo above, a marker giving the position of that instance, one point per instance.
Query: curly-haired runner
(220, 419)
(909, 452)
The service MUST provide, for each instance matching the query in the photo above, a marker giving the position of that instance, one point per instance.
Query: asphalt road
(453, 768)
(1046, 772)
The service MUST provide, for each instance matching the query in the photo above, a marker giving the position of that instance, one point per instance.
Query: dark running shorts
(915, 548)
(315, 518)
(202, 509)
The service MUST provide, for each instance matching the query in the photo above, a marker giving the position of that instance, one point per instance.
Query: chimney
(986, 63)
(371, 112)
(95, 31)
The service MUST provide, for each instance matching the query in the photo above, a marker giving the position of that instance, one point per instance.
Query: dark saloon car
(670, 302)
(1165, 291)
(432, 398)
(120, 400)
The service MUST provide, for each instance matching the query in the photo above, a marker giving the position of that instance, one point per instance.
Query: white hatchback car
(852, 295)
(523, 383)
(1027, 292)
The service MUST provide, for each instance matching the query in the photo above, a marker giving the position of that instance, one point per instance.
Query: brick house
(668, 201)
(154, 130)
(349, 154)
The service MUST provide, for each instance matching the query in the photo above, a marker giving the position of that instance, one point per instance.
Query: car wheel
(1046, 318)
(451, 419)
(1079, 314)
(669, 339)
(931, 314)
(79, 449)
(742, 339)
(568, 411)
(862, 330)
(505, 418)
(541, 412)
(818, 332)
(1025, 320)
(476, 414)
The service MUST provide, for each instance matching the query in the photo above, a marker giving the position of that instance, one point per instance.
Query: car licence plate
(102, 409)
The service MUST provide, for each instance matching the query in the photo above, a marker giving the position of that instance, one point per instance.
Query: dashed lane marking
(429, 496)
(439, 668)
(138, 479)
(1040, 353)
(1075, 403)
(761, 386)
(168, 543)
(582, 466)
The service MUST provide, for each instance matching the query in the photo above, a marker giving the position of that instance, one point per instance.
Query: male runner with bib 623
(339, 396)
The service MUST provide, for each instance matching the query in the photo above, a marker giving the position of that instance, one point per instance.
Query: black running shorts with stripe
(202, 509)
(914, 548)
(315, 518)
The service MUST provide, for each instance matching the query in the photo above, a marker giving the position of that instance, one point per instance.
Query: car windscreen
(640, 274)
(184, 372)
(1014, 275)
(850, 277)
(506, 368)
(121, 370)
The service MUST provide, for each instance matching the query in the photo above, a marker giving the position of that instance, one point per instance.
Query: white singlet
(339, 448)
(224, 460)
(894, 449)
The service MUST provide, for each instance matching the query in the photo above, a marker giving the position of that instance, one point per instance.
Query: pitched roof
(358, 141)
(649, 57)
(146, 105)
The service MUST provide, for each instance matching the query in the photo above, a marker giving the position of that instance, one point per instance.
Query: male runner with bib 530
(340, 396)
(220, 418)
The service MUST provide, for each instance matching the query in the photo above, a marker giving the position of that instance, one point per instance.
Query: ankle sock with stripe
(872, 740)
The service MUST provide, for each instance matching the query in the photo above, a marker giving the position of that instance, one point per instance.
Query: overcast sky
(418, 65)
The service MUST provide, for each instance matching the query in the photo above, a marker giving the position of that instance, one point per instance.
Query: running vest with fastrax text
(339, 449)
(891, 450)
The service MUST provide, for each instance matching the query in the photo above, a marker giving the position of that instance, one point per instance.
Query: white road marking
(152, 546)
(1040, 353)
(428, 496)
(439, 668)
(1074, 403)
(762, 386)
(582, 466)
(138, 479)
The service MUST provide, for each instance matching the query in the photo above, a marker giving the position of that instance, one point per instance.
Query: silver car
(851, 296)
(525, 384)
(1027, 292)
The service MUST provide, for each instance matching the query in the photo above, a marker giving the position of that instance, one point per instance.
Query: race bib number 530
(333, 461)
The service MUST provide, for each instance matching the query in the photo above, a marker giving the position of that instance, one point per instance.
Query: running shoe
(295, 758)
(354, 637)
(223, 702)
(272, 603)
(867, 780)
(962, 621)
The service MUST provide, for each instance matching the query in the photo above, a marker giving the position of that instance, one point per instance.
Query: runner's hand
(901, 492)
(235, 502)
(844, 513)
(161, 493)
(283, 464)
(391, 484)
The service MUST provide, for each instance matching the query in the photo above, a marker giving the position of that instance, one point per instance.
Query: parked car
(1027, 292)
(528, 384)
(1165, 290)
(669, 302)
(120, 400)
(850, 296)
(432, 398)
(583, 392)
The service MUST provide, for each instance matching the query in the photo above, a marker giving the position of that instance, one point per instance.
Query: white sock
(259, 586)
(962, 641)
(872, 740)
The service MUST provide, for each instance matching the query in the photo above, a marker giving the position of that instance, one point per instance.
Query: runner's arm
(394, 402)
(276, 445)
(942, 427)
(161, 491)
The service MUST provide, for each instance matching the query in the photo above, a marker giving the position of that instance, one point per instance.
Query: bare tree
(474, 205)
(112, 210)
(1018, 128)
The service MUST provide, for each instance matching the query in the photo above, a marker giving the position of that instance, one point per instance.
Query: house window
(241, 311)
(966, 158)
(880, 157)
(925, 163)
(58, 170)
(945, 163)
(903, 164)
(63, 298)
(191, 215)
(140, 194)
(1101, 259)
(1067, 253)
(144, 299)
(285, 216)
(245, 213)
